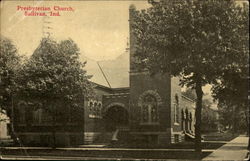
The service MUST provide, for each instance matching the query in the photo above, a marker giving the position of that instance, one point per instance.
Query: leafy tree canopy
(9, 62)
(197, 40)
(54, 74)
(195, 37)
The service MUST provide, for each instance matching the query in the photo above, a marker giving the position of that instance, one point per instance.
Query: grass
(219, 136)
(181, 145)
(212, 141)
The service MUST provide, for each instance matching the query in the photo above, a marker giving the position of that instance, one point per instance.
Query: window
(9, 129)
(22, 115)
(186, 120)
(21, 118)
(176, 109)
(182, 120)
(37, 116)
(91, 109)
(95, 109)
(190, 121)
(149, 109)
(46, 117)
(100, 109)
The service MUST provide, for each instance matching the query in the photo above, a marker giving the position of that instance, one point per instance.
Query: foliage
(233, 85)
(9, 62)
(54, 74)
(196, 40)
(194, 36)
(208, 116)
(54, 80)
(232, 89)
(232, 118)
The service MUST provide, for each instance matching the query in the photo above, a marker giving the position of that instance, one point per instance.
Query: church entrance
(116, 117)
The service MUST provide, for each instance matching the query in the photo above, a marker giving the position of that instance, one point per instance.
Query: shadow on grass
(181, 145)
(219, 136)
(183, 150)
(141, 154)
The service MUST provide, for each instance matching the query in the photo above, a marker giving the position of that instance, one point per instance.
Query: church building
(151, 109)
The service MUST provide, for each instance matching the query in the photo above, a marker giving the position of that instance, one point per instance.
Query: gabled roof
(116, 71)
(111, 90)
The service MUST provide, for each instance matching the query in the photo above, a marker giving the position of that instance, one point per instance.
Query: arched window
(46, 117)
(182, 120)
(21, 112)
(95, 112)
(99, 109)
(91, 107)
(190, 121)
(37, 116)
(186, 120)
(149, 109)
(176, 109)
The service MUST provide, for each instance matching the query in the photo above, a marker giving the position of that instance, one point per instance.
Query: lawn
(211, 141)
(215, 136)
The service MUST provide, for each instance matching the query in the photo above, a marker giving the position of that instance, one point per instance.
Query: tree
(195, 40)
(9, 61)
(232, 91)
(232, 95)
(54, 79)
(208, 117)
(233, 118)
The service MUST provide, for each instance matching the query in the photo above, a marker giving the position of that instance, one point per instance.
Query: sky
(99, 28)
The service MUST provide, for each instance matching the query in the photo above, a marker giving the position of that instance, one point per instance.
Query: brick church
(150, 109)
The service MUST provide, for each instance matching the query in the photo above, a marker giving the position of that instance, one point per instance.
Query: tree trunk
(234, 121)
(247, 122)
(12, 122)
(248, 147)
(53, 129)
(198, 110)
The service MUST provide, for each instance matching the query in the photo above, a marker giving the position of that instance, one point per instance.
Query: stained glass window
(149, 109)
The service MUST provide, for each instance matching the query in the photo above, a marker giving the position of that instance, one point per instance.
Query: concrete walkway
(233, 150)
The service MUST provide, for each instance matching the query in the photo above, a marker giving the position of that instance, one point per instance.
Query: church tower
(151, 113)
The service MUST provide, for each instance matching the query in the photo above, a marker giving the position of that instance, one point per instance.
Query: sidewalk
(100, 153)
(233, 150)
